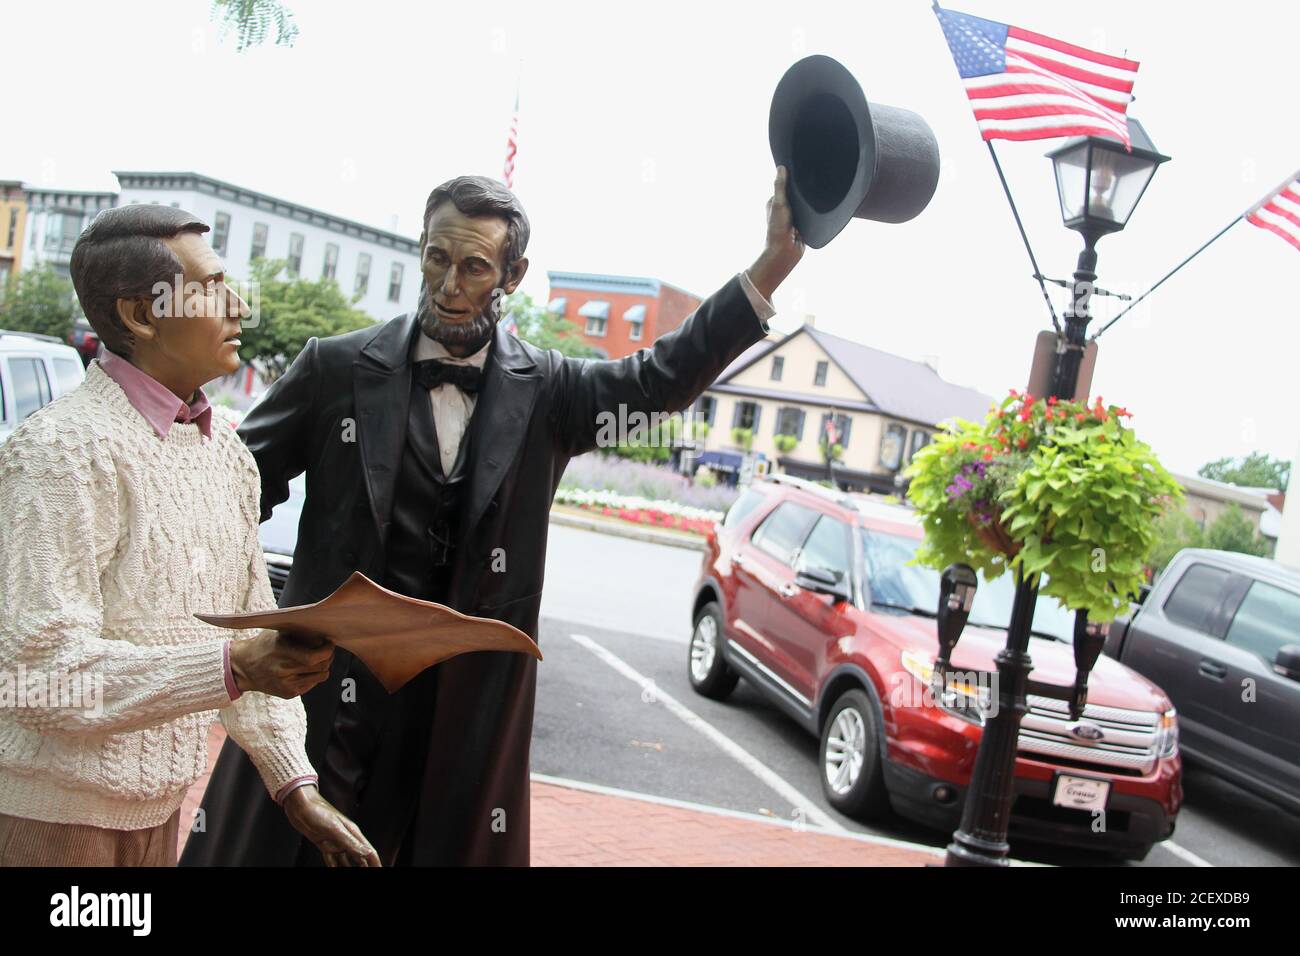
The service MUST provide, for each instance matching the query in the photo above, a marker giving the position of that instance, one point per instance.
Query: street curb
(625, 529)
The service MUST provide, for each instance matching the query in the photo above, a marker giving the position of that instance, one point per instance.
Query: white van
(34, 370)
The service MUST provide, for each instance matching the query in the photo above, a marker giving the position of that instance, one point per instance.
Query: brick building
(618, 314)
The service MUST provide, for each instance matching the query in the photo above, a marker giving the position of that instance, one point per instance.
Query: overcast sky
(643, 150)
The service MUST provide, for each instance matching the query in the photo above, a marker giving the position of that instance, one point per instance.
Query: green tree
(1256, 470)
(1175, 531)
(254, 20)
(1232, 531)
(291, 311)
(544, 328)
(39, 300)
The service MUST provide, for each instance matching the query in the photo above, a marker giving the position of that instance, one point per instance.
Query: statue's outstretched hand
(338, 838)
(784, 248)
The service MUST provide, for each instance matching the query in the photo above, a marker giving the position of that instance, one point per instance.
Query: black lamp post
(1099, 182)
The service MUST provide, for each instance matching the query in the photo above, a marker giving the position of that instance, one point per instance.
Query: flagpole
(1038, 273)
(1167, 275)
(1249, 212)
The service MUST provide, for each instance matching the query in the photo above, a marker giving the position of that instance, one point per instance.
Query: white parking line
(814, 814)
(1184, 854)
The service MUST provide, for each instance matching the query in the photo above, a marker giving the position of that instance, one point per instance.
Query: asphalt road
(615, 708)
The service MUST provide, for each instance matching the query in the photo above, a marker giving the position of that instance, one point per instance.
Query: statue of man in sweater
(126, 507)
(462, 432)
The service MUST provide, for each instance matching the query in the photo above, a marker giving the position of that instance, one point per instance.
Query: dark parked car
(811, 596)
(1220, 633)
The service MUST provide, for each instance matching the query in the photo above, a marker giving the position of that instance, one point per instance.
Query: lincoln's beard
(467, 336)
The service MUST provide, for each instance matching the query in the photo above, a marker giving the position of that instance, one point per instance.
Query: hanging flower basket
(1062, 491)
(992, 534)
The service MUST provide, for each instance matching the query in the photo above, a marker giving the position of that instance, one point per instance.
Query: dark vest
(381, 737)
(427, 506)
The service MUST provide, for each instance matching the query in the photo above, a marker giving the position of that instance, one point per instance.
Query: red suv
(810, 595)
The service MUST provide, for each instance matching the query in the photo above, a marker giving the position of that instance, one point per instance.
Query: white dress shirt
(452, 408)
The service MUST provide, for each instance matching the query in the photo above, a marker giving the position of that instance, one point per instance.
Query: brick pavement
(574, 826)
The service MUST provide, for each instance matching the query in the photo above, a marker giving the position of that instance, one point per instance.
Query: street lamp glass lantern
(1099, 181)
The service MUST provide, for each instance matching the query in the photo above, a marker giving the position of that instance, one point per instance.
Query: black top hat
(846, 157)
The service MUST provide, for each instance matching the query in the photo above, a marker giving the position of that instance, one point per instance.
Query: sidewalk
(577, 824)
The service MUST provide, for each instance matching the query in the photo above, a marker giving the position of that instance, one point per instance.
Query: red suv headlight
(966, 694)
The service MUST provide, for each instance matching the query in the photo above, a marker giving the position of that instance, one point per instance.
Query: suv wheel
(852, 776)
(708, 672)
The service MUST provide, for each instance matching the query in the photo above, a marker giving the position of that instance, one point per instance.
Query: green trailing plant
(743, 437)
(1062, 491)
(785, 443)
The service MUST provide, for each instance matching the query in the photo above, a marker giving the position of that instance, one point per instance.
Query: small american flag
(1024, 85)
(1279, 212)
(512, 145)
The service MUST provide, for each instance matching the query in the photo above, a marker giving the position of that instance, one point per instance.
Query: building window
(820, 377)
(789, 421)
(747, 415)
(705, 409)
(331, 261)
(635, 317)
(295, 253)
(13, 227)
(61, 232)
(258, 249)
(919, 440)
(596, 312)
(362, 285)
(778, 366)
(891, 447)
(395, 283)
(220, 233)
(840, 435)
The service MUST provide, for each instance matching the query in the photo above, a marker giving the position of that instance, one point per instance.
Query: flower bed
(661, 514)
(599, 472)
(1051, 487)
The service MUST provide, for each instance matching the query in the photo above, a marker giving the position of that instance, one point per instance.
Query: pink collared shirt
(158, 404)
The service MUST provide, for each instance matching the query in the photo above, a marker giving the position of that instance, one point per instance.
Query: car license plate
(1080, 793)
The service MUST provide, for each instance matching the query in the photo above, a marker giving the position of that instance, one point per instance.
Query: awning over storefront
(721, 460)
(595, 309)
(557, 305)
(635, 314)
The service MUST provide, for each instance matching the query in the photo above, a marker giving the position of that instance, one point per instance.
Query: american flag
(512, 145)
(1024, 85)
(1279, 212)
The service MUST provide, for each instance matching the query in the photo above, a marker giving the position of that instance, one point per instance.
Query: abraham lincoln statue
(433, 444)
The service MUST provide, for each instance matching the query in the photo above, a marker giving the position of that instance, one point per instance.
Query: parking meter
(957, 587)
(1089, 639)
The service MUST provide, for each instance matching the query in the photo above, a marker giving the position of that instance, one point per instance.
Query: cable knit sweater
(111, 539)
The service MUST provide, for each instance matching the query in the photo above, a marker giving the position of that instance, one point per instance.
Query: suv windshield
(893, 581)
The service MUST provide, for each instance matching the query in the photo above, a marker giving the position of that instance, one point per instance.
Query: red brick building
(619, 314)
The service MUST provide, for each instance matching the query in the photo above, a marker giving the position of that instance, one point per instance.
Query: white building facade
(380, 268)
(55, 218)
